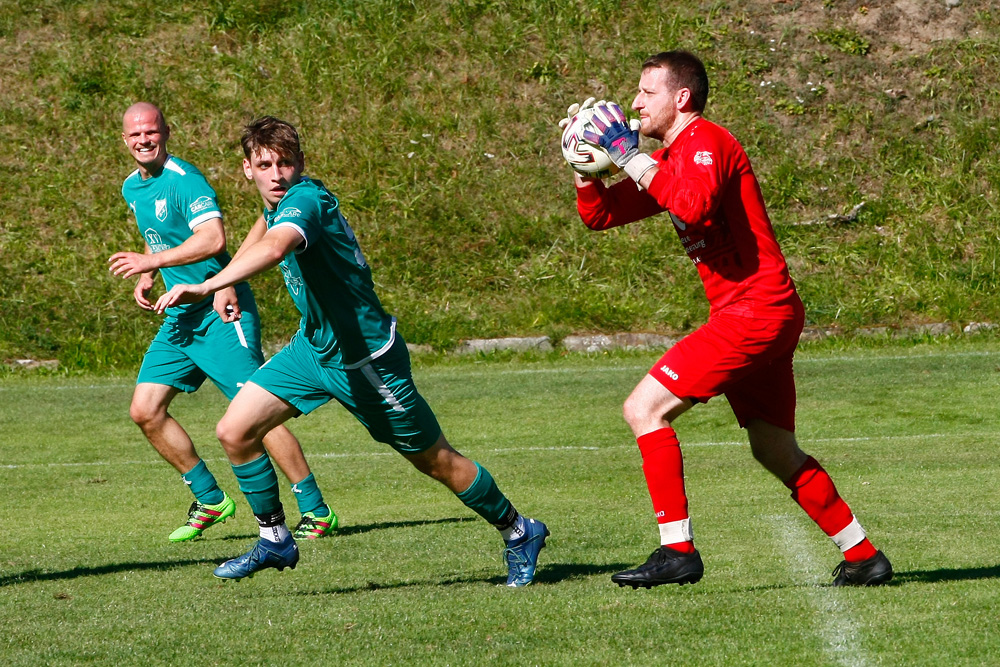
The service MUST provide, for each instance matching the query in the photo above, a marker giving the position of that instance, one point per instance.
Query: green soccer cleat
(201, 517)
(312, 527)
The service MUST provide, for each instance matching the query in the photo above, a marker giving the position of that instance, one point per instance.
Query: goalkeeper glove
(574, 109)
(619, 139)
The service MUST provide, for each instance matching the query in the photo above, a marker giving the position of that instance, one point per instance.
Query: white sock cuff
(676, 531)
(850, 536)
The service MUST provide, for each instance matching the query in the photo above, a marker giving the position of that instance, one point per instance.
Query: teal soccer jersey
(167, 208)
(329, 280)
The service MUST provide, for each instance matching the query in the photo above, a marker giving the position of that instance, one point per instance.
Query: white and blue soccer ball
(586, 158)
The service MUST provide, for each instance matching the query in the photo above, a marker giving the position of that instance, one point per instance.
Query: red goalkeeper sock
(663, 467)
(814, 491)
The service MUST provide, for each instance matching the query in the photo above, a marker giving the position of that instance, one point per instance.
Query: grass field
(909, 434)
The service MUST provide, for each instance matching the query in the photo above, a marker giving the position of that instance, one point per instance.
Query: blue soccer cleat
(263, 555)
(522, 554)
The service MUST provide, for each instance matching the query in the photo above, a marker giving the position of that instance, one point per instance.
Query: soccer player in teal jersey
(347, 348)
(180, 220)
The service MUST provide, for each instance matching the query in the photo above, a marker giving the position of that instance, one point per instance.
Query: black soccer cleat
(665, 566)
(874, 571)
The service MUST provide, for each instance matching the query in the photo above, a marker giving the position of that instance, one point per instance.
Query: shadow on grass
(946, 574)
(901, 578)
(364, 528)
(31, 576)
(548, 573)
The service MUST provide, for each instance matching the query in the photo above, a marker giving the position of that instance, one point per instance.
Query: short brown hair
(270, 133)
(684, 70)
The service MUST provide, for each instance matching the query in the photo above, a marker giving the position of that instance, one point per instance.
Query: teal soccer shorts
(381, 394)
(187, 350)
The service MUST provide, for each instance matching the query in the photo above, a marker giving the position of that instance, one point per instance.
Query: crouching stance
(703, 180)
(347, 349)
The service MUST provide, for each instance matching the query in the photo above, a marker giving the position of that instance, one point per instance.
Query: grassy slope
(434, 122)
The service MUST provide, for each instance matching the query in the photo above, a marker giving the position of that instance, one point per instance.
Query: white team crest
(154, 240)
(161, 209)
(703, 157)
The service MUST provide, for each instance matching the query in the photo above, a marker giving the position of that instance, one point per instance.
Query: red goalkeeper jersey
(707, 186)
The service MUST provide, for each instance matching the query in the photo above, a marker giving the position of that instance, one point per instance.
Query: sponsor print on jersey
(703, 157)
(294, 283)
(154, 240)
(290, 212)
(669, 372)
(161, 209)
(200, 204)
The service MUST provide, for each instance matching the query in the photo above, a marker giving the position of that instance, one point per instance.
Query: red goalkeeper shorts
(747, 359)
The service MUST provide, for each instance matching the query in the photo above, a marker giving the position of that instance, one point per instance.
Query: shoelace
(513, 557)
(514, 554)
(196, 509)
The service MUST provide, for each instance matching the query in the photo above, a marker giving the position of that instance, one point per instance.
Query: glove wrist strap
(638, 166)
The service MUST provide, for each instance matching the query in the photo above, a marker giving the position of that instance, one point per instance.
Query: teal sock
(309, 497)
(485, 499)
(203, 485)
(259, 483)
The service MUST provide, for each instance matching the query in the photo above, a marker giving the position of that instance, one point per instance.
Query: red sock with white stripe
(663, 467)
(814, 491)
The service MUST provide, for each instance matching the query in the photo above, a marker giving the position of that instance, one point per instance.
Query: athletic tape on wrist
(638, 166)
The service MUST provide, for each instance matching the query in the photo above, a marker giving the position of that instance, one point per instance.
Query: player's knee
(145, 415)
(635, 412)
(230, 434)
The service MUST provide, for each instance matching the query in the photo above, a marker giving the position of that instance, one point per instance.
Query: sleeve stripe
(302, 233)
(204, 217)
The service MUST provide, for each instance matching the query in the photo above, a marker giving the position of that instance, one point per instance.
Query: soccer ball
(586, 158)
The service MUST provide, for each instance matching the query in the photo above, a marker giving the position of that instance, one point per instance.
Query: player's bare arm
(255, 234)
(226, 304)
(208, 240)
(250, 261)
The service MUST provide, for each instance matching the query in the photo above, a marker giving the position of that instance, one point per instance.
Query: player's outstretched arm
(255, 234)
(251, 260)
(226, 304)
(208, 240)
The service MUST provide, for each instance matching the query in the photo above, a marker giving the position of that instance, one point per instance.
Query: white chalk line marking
(506, 450)
(842, 636)
(465, 372)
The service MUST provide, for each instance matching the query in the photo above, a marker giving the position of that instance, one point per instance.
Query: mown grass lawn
(908, 432)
